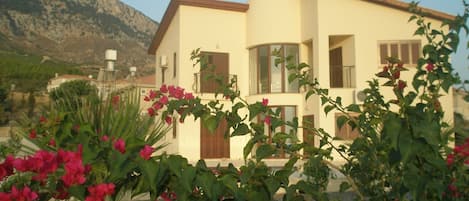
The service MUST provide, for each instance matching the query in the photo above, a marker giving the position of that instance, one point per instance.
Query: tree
(74, 88)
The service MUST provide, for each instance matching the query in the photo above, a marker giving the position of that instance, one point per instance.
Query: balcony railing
(202, 85)
(349, 76)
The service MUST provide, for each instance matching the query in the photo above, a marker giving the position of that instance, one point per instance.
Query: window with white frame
(408, 51)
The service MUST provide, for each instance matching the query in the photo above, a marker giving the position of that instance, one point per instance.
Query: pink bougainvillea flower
(4, 196)
(400, 65)
(267, 120)
(115, 100)
(74, 173)
(104, 138)
(52, 143)
(168, 120)
(188, 96)
(430, 66)
(119, 145)
(61, 194)
(176, 92)
(6, 168)
(88, 168)
(152, 95)
(265, 102)
(163, 100)
(146, 152)
(157, 105)
(100, 191)
(168, 196)
(146, 98)
(32, 134)
(42, 119)
(164, 89)
(401, 85)
(450, 159)
(396, 75)
(151, 111)
(24, 194)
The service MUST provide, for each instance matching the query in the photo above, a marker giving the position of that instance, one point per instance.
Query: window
(308, 133)
(217, 66)
(287, 113)
(163, 69)
(174, 65)
(174, 128)
(346, 132)
(214, 145)
(265, 76)
(408, 51)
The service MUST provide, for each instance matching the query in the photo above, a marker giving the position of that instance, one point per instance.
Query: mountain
(77, 31)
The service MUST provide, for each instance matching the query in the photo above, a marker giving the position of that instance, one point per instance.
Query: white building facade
(344, 42)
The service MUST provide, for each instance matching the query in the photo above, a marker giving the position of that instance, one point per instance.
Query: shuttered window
(408, 51)
(345, 132)
(216, 67)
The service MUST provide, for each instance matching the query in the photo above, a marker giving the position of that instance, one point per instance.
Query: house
(60, 79)
(344, 42)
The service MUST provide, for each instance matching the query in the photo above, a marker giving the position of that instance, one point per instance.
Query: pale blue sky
(155, 9)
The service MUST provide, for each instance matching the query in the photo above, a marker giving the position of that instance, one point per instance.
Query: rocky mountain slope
(77, 31)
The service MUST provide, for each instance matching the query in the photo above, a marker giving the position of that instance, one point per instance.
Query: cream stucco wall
(211, 30)
(170, 45)
(368, 23)
(270, 21)
(311, 25)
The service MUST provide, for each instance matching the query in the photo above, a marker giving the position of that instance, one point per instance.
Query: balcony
(210, 84)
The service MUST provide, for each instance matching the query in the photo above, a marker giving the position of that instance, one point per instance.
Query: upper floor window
(265, 76)
(214, 71)
(408, 51)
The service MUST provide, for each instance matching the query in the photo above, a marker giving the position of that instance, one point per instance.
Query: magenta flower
(119, 145)
(104, 138)
(24, 194)
(164, 89)
(430, 66)
(188, 96)
(267, 120)
(168, 120)
(163, 100)
(146, 152)
(32, 134)
(265, 102)
(99, 192)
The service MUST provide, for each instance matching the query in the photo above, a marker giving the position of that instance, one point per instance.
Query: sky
(155, 9)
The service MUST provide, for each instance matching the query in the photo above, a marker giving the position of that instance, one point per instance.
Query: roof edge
(173, 7)
(438, 15)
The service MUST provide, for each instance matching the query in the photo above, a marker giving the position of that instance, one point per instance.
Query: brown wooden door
(335, 68)
(214, 145)
(308, 134)
(218, 65)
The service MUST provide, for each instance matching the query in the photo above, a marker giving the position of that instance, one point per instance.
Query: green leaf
(354, 108)
(420, 31)
(328, 108)
(242, 129)
(264, 151)
(391, 128)
(211, 123)
(272, 186)
(344, 186)
(324, 100)
(308, 94)
(291, 77)
(341, 120)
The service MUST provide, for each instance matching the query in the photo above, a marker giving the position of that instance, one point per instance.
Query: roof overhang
(405, 7)
(241, 7)
(173, 7)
